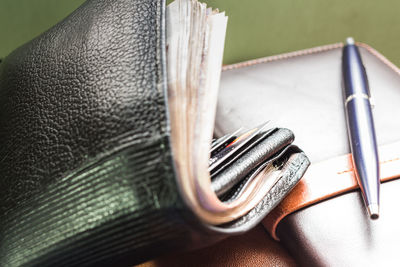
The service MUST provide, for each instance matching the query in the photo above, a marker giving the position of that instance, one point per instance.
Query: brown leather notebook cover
(323, 222)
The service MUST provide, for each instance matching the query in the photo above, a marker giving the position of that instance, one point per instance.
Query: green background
(256, 28)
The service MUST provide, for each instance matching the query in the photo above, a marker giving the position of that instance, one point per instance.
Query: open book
(223, 180)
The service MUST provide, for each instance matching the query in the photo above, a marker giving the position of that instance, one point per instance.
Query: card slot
(277, 162)
(234, 155)
(250, 160)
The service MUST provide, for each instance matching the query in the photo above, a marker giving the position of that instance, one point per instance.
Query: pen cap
(355, 79)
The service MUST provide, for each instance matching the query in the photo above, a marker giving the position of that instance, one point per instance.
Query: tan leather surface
(328, 179)
(255, 248)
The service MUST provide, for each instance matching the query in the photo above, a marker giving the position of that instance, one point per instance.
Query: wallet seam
(310, 51)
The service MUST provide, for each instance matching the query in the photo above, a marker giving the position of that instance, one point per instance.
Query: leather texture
(308, 84)
(334, 232)
(292, 171)
(328, 179)
(255, 248)
(84, 141)
(87, 171)
(338, 232)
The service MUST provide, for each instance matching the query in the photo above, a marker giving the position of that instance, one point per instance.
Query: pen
(360, 126)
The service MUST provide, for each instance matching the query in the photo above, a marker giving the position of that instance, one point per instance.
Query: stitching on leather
(277, 218)
(310, 51)
(303, 52)
(381, 57)
(382, 162)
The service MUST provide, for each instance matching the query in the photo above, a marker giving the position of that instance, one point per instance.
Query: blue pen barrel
(355, 79)
(364, 148)
(360, 125)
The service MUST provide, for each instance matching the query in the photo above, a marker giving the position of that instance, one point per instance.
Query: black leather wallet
(87, 171)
